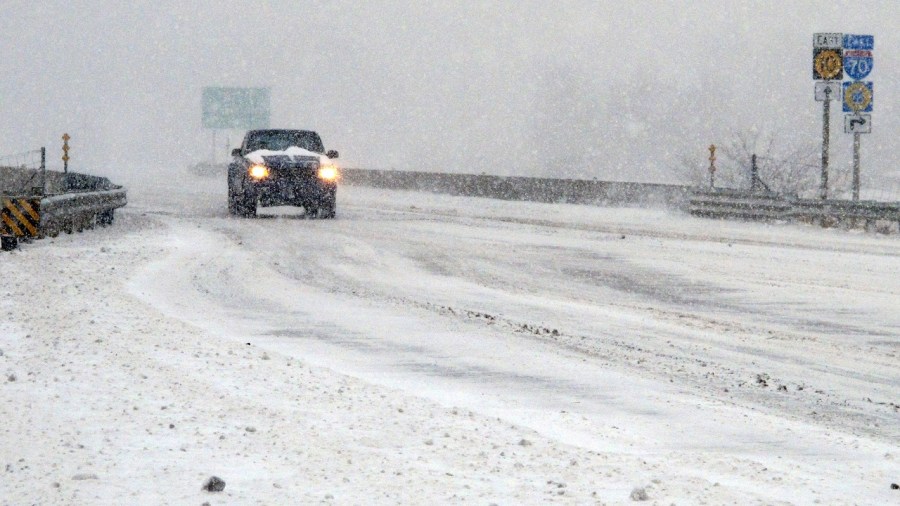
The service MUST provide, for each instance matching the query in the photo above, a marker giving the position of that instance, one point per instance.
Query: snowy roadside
(105, 400)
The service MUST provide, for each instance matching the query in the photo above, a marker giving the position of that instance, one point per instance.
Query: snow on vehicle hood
(259, 155)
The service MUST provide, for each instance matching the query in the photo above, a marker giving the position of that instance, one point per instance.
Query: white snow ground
(424, 348)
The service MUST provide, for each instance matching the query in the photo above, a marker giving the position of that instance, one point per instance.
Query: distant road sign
(828, 40)
(864, 42)
(858, 124)
(858, 63)
(238, 108)
(827, 90)
(828, 64)
(858, 96)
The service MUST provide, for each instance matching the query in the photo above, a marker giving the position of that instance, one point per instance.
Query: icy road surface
(425, 348)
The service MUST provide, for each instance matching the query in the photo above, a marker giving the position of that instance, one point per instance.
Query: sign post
(858, 95)
(825, 92)
(826, 113)
(712, 166)
(828, 65)
(856, 166)
(857, 124)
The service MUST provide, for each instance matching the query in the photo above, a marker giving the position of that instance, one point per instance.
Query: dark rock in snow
(214, 484)
(895, 486)
(639, 494)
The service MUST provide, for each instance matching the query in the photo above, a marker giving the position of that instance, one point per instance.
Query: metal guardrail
(740, 205)
(72, 212)
(847, 209)
(75, 202)
(765, 206)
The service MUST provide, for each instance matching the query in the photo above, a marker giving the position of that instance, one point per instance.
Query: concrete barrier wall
(573, 191)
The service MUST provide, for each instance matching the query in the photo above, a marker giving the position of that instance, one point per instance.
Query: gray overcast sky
(618, 90)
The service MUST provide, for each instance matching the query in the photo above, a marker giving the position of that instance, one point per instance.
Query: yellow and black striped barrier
(20, 217)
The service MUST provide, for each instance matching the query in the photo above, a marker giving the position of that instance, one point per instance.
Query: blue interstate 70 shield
(857, 63)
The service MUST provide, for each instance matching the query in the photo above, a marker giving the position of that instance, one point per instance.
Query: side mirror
(236, 152)
(331, 153)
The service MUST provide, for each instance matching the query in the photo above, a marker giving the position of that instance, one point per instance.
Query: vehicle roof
(279, 130)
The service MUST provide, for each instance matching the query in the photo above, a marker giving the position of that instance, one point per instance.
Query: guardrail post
(43, 171)
(8, 243)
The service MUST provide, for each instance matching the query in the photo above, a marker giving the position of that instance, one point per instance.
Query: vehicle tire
(106, 217)
(328, 206)
(232, 203)
(234, 200)
(241, 203)
(247, 205)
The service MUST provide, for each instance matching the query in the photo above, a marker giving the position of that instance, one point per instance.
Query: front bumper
(293, 190)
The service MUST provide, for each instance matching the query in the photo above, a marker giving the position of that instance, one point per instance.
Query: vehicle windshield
(279, 140)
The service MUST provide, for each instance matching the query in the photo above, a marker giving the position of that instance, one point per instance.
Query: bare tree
(782, 167)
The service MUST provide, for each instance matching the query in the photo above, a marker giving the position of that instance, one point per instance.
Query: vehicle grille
(297, 167)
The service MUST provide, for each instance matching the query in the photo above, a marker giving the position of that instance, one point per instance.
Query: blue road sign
(858, 96)
(863, 42)
(858, 63)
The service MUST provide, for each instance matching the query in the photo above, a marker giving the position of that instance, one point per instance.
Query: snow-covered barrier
(573, 191)
(72, 202)
(767, 206)
(725, 203)
(881, 216)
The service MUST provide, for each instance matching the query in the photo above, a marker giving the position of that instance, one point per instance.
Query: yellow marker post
(65, 157)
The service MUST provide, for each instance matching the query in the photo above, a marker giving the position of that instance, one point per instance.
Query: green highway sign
(237, 108)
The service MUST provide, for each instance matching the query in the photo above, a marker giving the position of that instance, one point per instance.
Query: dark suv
(282, 167)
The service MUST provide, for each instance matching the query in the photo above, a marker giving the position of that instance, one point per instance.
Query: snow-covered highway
(446, 349)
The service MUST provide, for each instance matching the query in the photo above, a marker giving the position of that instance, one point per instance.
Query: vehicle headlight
(258, 171)
(328, 173)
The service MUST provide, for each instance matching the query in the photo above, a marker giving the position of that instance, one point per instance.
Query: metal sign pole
(754, 173)
(212, 159)
(856, 166)
(826, 110)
